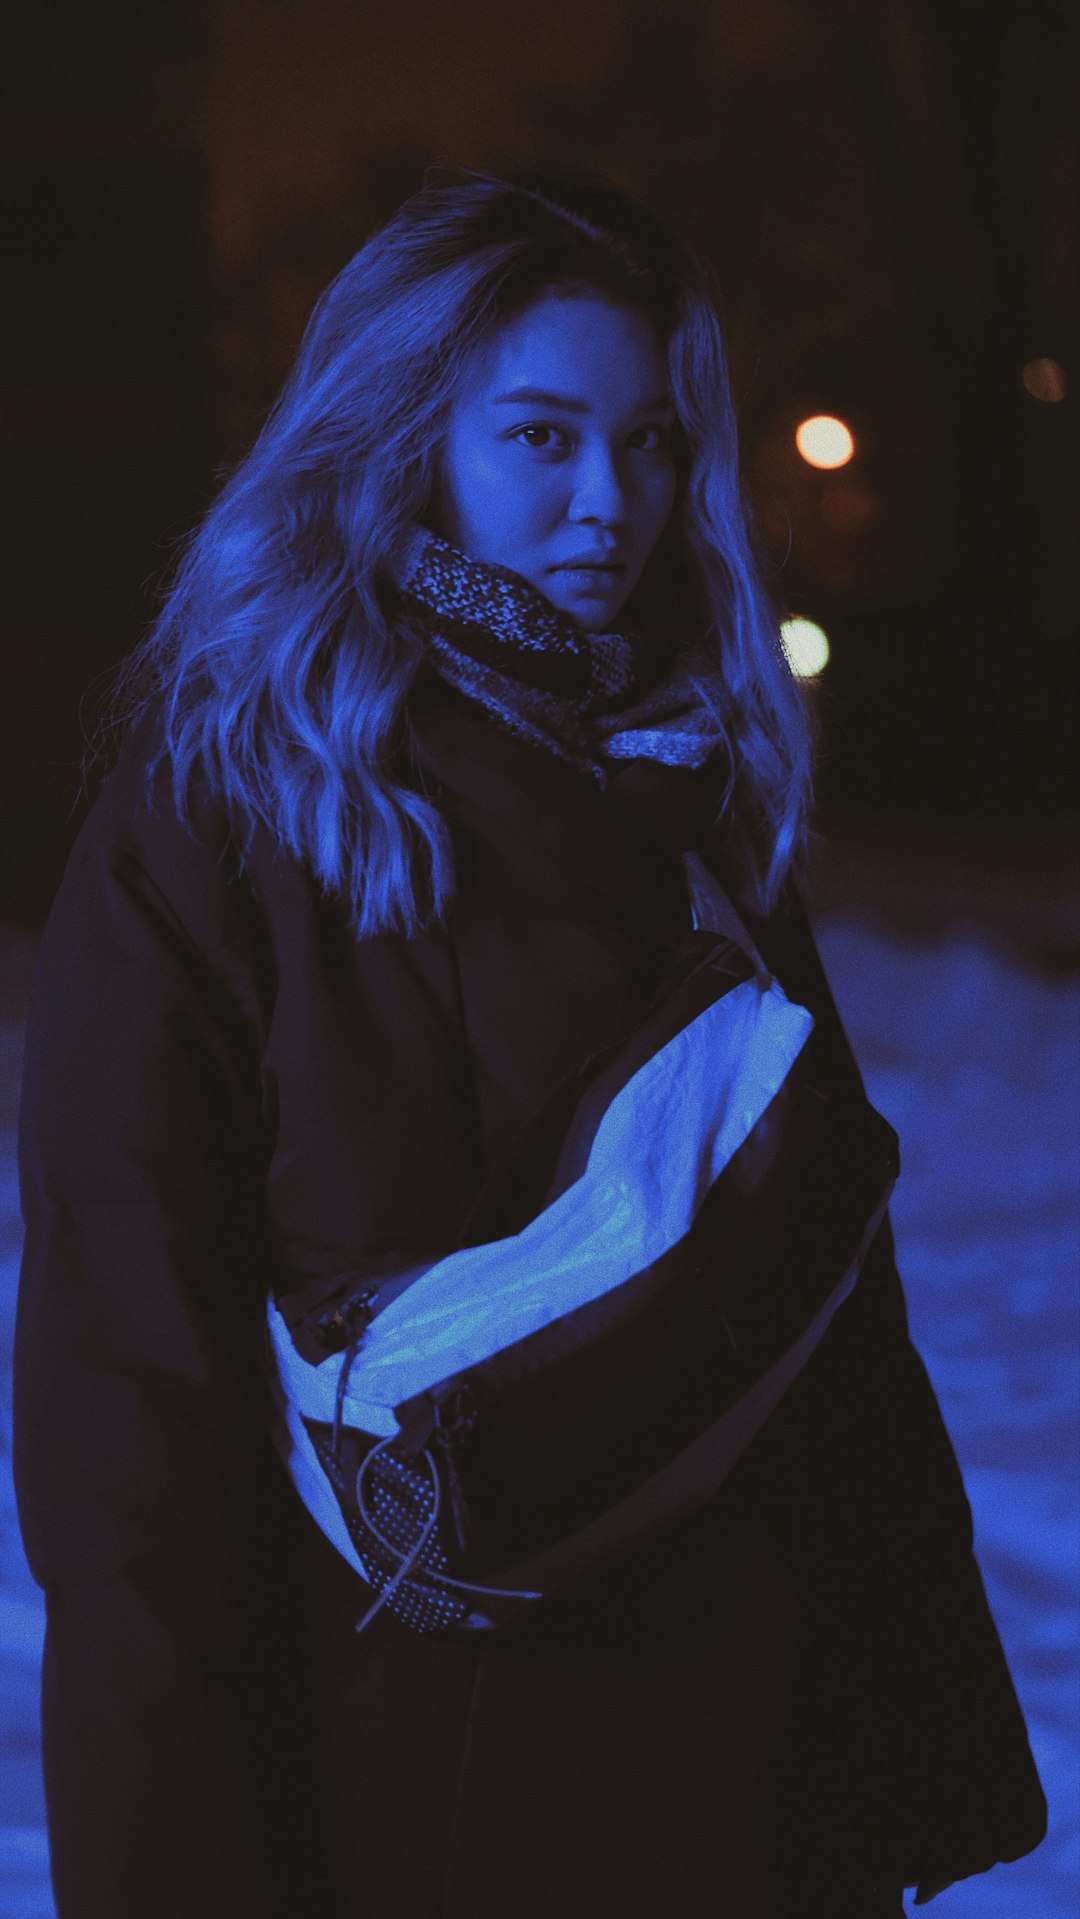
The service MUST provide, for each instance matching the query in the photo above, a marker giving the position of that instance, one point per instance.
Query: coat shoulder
(186, 872)
(138, 816)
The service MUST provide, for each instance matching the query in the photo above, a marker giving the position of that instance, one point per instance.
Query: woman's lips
(589, 575)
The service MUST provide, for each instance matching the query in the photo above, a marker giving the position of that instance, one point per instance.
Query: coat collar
(621, 844)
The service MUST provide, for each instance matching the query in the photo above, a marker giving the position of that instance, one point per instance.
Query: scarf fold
(594, 699)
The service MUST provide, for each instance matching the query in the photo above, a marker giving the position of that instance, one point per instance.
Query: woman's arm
(148, 1493)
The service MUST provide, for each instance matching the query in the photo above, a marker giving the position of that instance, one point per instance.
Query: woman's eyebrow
(539, 396)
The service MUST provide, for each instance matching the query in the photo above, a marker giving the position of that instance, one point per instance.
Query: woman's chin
(593, 612)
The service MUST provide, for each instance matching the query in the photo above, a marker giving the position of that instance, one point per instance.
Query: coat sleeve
(148, 1493)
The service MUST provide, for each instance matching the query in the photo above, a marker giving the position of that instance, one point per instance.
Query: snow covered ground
(973, 1056)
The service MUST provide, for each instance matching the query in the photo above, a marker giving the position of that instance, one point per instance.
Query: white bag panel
(661, 1143)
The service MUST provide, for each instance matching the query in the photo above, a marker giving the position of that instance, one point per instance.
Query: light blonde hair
(280, 668)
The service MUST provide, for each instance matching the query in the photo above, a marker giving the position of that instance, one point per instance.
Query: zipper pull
(347, 1320)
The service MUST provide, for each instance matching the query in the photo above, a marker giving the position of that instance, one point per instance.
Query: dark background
(888, 190)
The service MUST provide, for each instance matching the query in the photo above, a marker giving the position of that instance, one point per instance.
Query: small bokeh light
(806, 646)
(1045, 380)
(824, 441)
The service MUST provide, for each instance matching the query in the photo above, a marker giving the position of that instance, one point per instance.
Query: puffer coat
(794, 1703)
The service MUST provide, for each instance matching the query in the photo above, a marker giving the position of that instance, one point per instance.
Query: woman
(468, 654)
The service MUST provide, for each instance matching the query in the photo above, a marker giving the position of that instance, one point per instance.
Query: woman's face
(560, 449)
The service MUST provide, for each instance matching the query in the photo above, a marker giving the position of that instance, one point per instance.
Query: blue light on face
(560, 450)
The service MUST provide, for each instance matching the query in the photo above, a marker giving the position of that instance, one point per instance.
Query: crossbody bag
(636, 1288)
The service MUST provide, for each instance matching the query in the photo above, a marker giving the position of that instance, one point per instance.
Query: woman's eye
(662, 435)
(534, 429)
(661, 432)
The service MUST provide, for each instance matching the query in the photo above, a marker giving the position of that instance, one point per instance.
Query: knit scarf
(594, 699)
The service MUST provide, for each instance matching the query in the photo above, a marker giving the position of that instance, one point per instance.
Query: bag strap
(713, 910)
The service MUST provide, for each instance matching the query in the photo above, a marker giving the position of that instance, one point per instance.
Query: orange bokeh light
(824, 441)
(1045, 380)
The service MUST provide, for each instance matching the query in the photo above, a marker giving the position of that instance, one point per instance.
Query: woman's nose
(600, 490)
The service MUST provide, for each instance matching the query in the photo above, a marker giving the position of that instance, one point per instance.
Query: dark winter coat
(802, 1688)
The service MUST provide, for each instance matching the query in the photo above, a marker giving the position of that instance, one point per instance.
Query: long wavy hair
(282, 667)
